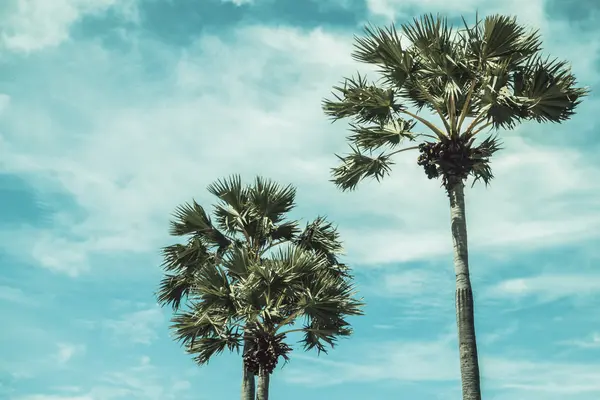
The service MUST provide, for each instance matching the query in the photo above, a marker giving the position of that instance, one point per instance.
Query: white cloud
(144, 381)
(15, 295)
(531, 12)
(238, 2)
(255, 96)
(591, 342)
(137, 327)
(412, 361)
(417, 294)
(397, 9)
(66, 351)
(494, 337)
(4, 102)
(35, 24)
(53, 397)
(545, 377)
(547, 287)
(436, 361)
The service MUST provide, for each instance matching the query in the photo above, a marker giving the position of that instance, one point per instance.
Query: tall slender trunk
(465, 318)
(262, 392)
(248, 388)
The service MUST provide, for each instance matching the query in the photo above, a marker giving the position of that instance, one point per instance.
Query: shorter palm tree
(261, 306)
(223, 281)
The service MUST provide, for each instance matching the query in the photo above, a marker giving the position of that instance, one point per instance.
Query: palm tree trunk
(248, 388)
(465, 318)
(262, 392)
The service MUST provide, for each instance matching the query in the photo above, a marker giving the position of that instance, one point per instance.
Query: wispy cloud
(547, 287)
(123, 205)
(137, 327)
(66, 351)
(591, 342)
(238, 2)
(403, 361)
(415, 294)
(32, 25)
(16, 295)
(498, 335)
(53, 397)
(434, 361)
(142, 381)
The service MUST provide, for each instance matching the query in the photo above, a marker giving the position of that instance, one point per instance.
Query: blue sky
(112, 112)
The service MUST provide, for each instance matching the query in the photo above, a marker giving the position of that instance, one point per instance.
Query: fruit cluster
(452, 159)
(264, 351)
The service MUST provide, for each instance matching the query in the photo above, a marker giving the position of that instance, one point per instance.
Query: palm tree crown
(490, 75)
(252, 272)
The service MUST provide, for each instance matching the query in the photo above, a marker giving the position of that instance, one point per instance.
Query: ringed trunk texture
(262, 392)
(248, 388)
(465, 318)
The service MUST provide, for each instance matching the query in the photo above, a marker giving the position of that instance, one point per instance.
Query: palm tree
(211, 282)
(259, 302)
(478, 79)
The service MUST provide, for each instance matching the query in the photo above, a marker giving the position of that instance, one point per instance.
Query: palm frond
(500, 39)
(191, 219)
(327, 297)
(548, 90)
(376, 136)
(173, 289)
(383, 47)
(320, 236)
(202, 320)
(181, 263)
(285, 231)
(431, 35)
(231, 191)
(182, 259)
(480, 158)
(207, 347)
(320, 333)
(357, 166)
(424, 91)
(380, 46)
(317, 338)
(363, 102)
(271, 200)
(213, 288)
(230, 220)
(237, 262)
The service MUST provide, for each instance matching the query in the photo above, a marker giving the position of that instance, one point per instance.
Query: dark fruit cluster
(427, 158)
(264, 350)
(450, 158)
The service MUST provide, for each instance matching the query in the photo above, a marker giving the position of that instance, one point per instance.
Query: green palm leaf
(361, 101)
(191, 219)
(357, 166)
(547, 89)
(173, 289)
(271, 200)
(376, 136)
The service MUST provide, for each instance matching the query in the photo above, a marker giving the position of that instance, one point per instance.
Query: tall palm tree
(251, 221)
(476, 79)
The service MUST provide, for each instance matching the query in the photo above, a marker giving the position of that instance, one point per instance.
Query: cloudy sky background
(112, 112)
